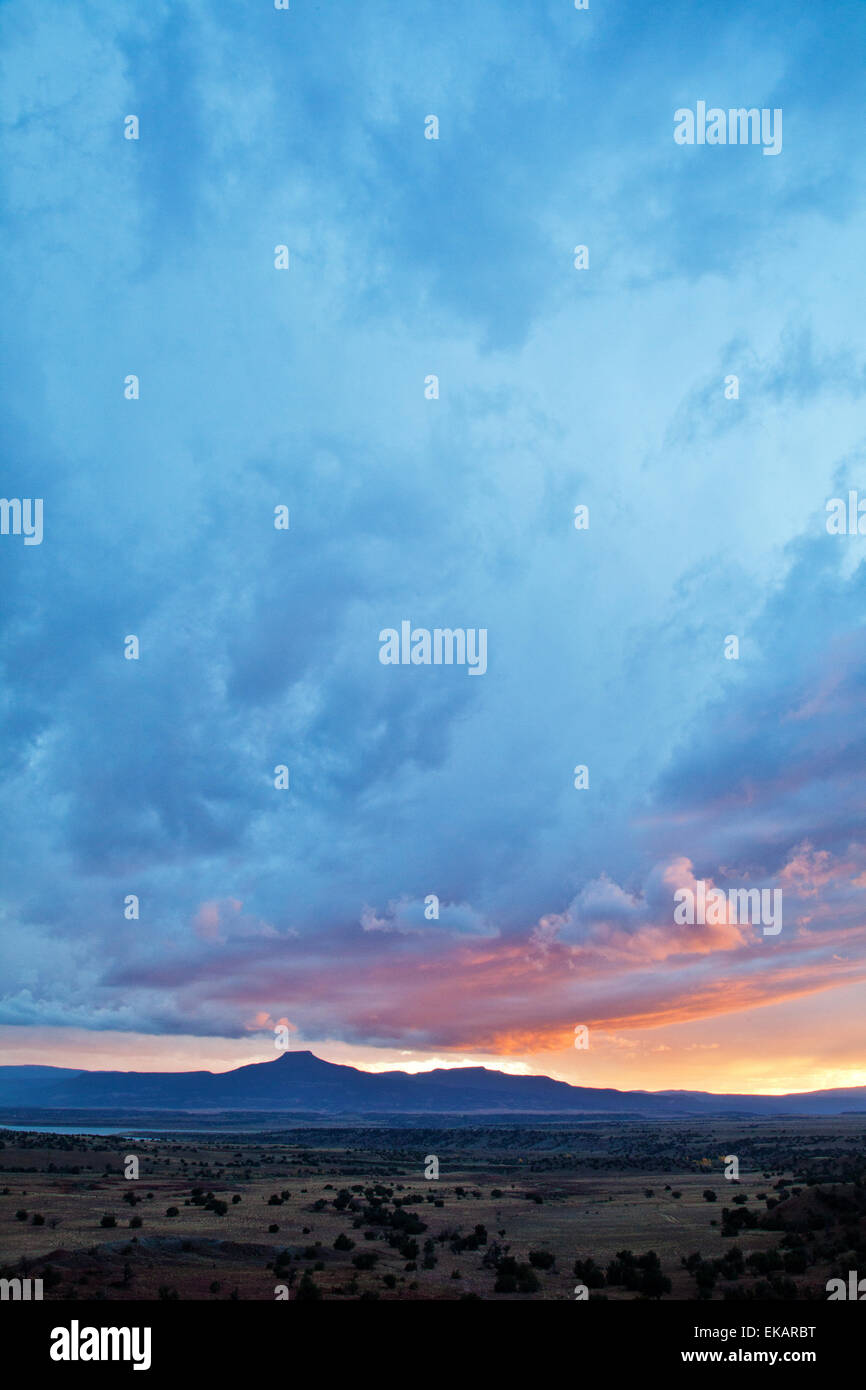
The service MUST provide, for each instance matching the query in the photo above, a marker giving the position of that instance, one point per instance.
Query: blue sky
(305, 387)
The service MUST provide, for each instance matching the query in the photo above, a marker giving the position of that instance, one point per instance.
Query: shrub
(589, 1273)
(308, 1289)
(541, 1259)
(512, 1277)
(640, 1274)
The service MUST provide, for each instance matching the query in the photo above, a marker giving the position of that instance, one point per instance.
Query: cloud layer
(259, 647)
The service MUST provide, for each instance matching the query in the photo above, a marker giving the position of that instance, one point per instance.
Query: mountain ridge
(300, 1081)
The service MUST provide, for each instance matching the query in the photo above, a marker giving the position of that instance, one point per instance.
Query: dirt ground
(565, 1193)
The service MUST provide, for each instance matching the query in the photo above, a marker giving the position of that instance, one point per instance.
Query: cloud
(305, 389)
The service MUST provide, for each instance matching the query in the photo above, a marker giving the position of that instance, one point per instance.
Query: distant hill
(299, 1081)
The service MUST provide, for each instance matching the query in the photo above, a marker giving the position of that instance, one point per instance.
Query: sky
(308, 388)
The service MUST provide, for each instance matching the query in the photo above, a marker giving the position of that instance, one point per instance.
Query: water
(87, 1129)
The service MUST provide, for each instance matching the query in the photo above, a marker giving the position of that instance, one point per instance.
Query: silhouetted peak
(304, 1063)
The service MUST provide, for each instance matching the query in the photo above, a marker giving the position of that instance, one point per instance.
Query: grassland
(215, 1215)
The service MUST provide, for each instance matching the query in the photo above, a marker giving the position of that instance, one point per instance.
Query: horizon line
(426, 1071)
